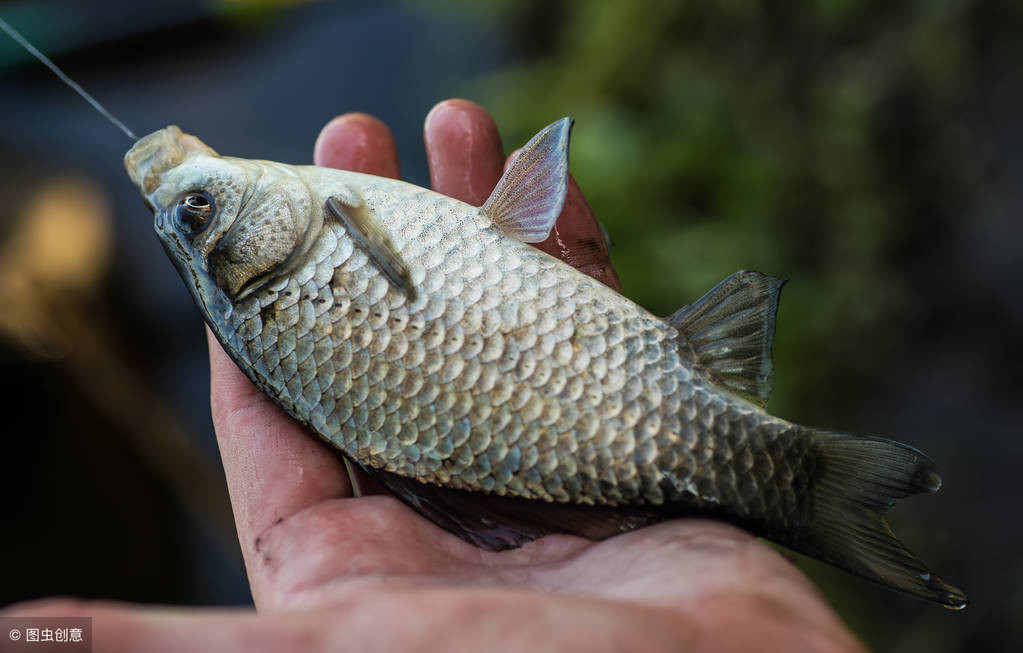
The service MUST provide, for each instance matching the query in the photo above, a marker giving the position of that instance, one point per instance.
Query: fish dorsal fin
(527, 200)
(729, 332)
(496, 522)
(370, 236)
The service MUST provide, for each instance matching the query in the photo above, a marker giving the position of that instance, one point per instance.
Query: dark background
(872, 152)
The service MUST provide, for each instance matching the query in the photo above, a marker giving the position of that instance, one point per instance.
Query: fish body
(497, 390)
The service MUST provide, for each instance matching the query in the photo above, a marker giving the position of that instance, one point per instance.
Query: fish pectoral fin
(729, 332)
(496, 523)
(371, 236)
(527, 200)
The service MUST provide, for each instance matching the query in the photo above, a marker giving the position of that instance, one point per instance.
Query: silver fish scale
(511, 373)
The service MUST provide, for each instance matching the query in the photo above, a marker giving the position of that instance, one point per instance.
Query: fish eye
(193, 211)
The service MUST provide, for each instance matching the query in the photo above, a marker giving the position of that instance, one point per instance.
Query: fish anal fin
(497, 523)
(370, 236)
(527, 200)
(729, 332)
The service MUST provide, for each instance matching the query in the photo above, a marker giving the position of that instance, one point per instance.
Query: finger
(578, 240)
(463, 149)
(357, 142)
(274, 467)
(724, 577)
(714, 558)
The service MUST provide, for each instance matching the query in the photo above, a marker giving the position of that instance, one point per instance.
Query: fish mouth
(153, 155)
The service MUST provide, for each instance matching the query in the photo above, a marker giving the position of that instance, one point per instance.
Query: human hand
(330, 571)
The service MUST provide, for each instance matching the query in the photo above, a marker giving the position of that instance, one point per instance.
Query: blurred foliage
(251, 12)
(806, 140)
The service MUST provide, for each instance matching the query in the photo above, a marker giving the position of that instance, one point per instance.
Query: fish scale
(495, 389)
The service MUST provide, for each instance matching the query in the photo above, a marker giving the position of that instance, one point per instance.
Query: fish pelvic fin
(497, 523)
(857, 480)
(527, 200)
(729, 332)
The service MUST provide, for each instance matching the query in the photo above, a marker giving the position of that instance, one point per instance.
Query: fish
(496, 390)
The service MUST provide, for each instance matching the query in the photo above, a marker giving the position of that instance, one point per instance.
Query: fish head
(229, 225)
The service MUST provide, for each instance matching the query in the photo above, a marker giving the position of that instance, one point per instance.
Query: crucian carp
(496, 390)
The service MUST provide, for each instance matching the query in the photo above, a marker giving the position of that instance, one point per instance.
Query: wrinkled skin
(333, 572)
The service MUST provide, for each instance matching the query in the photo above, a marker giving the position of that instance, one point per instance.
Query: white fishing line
(13, 33)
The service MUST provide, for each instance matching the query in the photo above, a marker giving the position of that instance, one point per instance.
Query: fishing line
(13, 33)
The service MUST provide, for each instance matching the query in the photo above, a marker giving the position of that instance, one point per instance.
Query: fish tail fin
(858, 479)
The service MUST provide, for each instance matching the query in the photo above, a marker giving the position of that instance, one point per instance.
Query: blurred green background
(871, 152)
